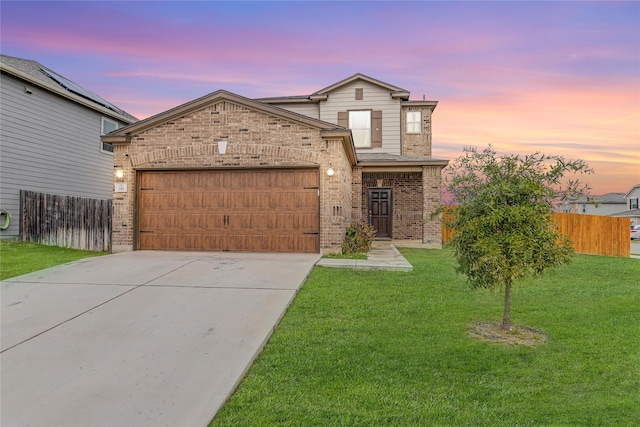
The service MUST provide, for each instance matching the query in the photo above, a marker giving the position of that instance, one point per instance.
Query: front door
(380, 211)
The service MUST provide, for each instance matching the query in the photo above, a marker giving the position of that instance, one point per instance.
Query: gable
(394, 91)
(121, 135)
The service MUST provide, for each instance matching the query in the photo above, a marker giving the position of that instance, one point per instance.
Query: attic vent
(359, 94)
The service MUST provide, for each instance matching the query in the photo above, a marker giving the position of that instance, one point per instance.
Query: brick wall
(255, 139)
(407, 201)
(432, 188)
(416, 145)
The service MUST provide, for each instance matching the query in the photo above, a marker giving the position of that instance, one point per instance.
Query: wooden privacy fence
(67, 221)
(590, 234)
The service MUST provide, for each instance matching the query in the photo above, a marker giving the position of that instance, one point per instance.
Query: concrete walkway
(382, 256)
(139, 338)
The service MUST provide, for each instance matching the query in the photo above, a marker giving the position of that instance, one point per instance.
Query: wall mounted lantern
(330, 171)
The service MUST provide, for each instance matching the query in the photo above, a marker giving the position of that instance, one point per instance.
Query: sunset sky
(562, 78)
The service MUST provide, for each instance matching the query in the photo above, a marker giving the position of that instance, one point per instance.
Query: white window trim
(102, 132)
(369, 128)
(415, 123)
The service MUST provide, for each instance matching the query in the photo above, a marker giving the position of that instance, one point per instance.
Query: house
(225, 172)
(632, 206)
(606, 204)
(50, 131)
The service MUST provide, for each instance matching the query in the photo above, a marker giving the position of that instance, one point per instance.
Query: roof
(328, 130)
(631, 191)
(396, 92)
(631, 213)
(605, 199)
(391, 160)
(44, 77)
(323, 94)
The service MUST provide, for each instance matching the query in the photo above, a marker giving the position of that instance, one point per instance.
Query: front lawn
(17, 258)
(378, 348)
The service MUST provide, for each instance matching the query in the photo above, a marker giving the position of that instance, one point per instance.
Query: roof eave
(431, 104)
(360, 76)
(347, 141)
(65, 94)
(216, 96)
(402, 163)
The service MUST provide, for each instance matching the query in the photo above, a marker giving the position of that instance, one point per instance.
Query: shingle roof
(609, 198)
(38, 73)
(386, 158)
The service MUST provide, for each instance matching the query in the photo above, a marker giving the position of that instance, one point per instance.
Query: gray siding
(307, 109)
(374, 98)
(48, 144)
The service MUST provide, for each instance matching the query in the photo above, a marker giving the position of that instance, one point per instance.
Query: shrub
(358, 238)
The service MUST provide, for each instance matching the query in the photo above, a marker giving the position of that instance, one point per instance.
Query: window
(108, 126)
(360, 125)
(414, 120)
(633, 204)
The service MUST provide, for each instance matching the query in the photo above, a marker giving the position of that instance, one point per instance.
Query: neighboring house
(50, 137)
(224, 172)
(606, 204)
(632, 205)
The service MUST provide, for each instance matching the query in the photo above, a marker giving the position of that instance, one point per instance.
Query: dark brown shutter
(376, 129)
(343, 119)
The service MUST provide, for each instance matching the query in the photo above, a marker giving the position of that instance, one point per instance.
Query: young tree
(503, 224)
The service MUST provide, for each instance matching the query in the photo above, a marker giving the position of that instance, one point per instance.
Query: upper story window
(107, 126)
(414, 120)
(360, 125)
(633, 204)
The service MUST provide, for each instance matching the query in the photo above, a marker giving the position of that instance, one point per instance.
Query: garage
(257, 210)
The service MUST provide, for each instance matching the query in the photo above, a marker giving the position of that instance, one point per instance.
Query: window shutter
(376, 129)
(343, 119)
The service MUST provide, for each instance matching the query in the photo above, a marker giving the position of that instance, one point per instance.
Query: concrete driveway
(139, 338)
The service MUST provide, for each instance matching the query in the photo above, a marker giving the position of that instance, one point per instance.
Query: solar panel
(78, 90)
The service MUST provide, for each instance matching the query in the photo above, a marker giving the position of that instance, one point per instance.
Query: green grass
(17, 258)
(383, 348)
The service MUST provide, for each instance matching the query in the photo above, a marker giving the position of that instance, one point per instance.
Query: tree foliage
(504, 228)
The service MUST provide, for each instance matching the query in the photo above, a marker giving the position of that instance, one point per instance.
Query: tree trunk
(506, 319)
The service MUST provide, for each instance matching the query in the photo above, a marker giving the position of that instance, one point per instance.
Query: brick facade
(406, 196)
(255, 140)
(419, 144)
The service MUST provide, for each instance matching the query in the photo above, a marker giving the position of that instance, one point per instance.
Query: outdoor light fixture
(119, 173)
(330, 171)
(222, 147)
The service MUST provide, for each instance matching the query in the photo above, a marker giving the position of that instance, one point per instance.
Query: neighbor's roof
(631, 191)
(37, 74)
(631, 213)
(605, 199)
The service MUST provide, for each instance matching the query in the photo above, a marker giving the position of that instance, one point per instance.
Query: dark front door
(380, 211)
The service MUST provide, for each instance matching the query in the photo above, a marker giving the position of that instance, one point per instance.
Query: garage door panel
(262, 221)
(307, 222)
(248, 210)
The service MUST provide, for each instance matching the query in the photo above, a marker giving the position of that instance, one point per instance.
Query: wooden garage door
(238, 210)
